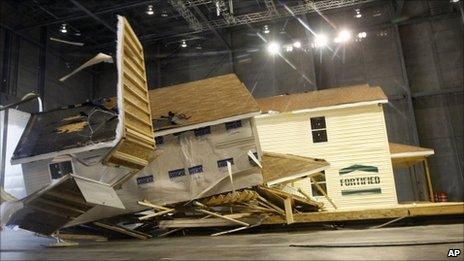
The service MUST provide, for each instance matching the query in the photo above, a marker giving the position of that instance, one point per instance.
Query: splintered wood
(245, 208)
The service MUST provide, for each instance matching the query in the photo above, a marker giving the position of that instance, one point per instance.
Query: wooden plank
(321, 190)
(409, 210)
(122, 230)
(156, 214)
(288, 211)
(149, 204)
(429, 180)
(223, 217)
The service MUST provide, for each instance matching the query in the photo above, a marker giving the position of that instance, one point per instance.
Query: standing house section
(204, 132)
(346, 127)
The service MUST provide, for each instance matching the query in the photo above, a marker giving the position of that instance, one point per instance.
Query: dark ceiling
(92, 22)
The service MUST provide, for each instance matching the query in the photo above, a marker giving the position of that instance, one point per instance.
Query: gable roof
(203, 101)
(278, 167)
(322, 98)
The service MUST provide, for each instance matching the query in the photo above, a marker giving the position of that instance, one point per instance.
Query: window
(223, 163)
(159, 140)
(318, 129)
(60, 169)
(252, 162)
(176, 173)
(233, 125)
(318, 183)
(195, 169)
(202, 131)
(144, 180)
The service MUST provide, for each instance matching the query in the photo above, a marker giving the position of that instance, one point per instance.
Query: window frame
(316, 129)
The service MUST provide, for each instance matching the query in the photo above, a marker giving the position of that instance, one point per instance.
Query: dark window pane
(58, 170)
(252, 162)
(223, 163)
(176, 173)
(319, 136)
(202, 131)
(195, 169)
(159, 140)
(318, 123)
(233, 125)
(316, 191)
(144, 180)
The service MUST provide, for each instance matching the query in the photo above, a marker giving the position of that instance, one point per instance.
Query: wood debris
(245, 208)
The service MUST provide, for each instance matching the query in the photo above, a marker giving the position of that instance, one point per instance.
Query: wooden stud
(321, 190)
(288, 210)
(429, 181)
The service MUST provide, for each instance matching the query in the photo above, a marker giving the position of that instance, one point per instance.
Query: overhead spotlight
(63, 28)
(266, 29)
(150, 10)
(183, 44)
(297, 44)
(454, 1)
(320, 40)
(362, 35)
(273, 48)
(164, 13)
(343, 36)
(358, 13)
(289, 48)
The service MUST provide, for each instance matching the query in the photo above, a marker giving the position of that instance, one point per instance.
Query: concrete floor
(269, 246)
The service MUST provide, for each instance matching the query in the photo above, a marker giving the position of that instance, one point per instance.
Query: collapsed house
(204, 147)
(345, 126)
(96, 160)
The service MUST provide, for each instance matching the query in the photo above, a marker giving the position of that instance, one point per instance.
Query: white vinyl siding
(356, 136)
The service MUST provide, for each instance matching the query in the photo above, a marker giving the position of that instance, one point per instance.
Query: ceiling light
(63, 28)
(358, 13)
(273, 48)
(266, 29)
(297, 44)
(183, 44)
(164, 13)
(320, 40)
(362, 35)
(150, 10)
(454, 1)
(343, 36)
(289, 48)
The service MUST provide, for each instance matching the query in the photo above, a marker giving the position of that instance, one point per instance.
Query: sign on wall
(360, 180)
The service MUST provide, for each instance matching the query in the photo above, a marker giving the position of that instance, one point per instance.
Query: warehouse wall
(24, 73)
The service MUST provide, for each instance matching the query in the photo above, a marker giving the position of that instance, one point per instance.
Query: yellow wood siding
(356, 136)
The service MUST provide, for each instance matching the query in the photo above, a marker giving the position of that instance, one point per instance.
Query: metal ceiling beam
(94, 16)
(215, 32)
(78, 17)
(183, 10)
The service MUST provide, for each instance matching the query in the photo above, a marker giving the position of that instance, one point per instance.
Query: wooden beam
(156, 214)
(288, 210)
(321, 190)
(223, 217)
(123, 230)
(429, 180)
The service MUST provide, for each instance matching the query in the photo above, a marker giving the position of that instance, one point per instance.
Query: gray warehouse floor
(270, 246)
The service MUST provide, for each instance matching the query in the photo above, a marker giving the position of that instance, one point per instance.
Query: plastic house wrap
(346, 127)
(203, 147)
